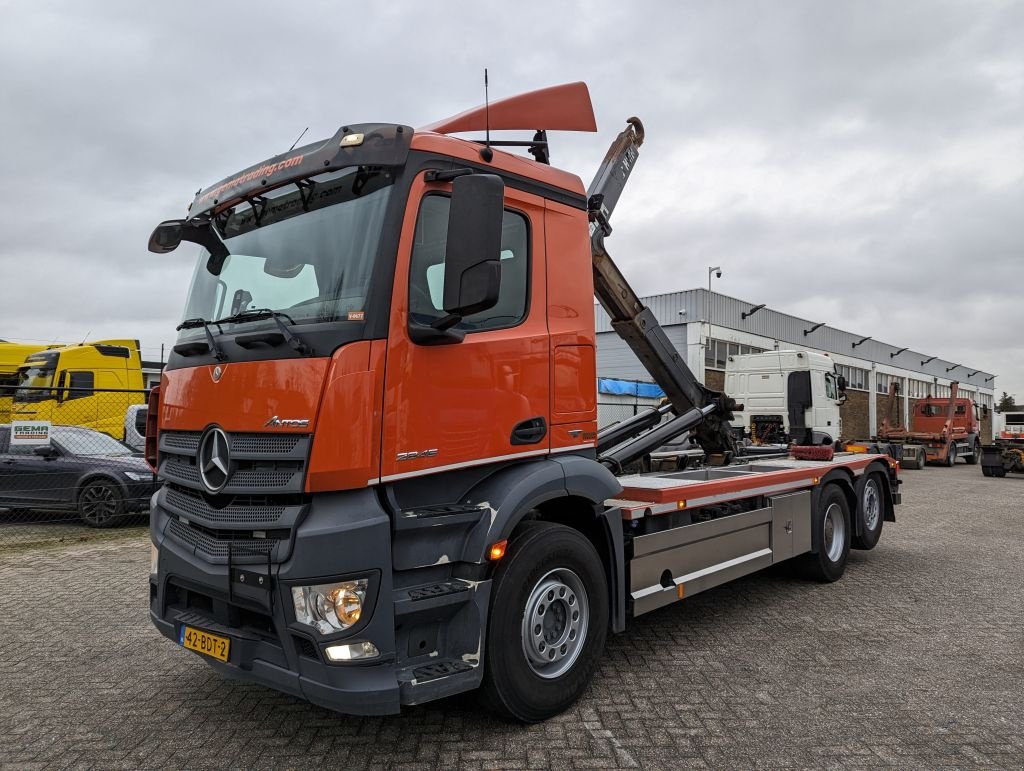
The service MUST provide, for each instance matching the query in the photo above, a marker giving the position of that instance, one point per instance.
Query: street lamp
(717, 270)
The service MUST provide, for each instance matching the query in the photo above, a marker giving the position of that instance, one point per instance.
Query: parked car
(81, 469)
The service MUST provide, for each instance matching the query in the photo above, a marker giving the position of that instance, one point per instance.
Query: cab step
(436, 599)
(425, 682)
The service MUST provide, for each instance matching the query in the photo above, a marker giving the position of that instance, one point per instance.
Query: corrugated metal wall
(723, 311)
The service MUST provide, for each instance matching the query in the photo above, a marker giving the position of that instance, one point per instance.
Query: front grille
(243, 509)
(263, 493)
(242, 550)
(265, 444)
(182, 441)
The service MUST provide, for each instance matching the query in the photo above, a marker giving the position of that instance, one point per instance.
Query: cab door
(484, 399)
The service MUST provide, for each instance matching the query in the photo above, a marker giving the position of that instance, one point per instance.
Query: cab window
(830, 386)
(426, 271)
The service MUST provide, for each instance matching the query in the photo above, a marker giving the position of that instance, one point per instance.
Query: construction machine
(382, 477)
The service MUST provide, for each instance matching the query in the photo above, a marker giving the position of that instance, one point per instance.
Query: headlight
(330, 607)
(138, 476)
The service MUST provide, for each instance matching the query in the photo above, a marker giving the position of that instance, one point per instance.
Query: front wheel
(100, 504)
(548, 623)
(951, 455)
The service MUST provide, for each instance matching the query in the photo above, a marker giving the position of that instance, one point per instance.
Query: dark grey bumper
(343, 535)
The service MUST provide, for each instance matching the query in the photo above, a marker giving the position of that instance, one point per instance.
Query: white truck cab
(787, 394)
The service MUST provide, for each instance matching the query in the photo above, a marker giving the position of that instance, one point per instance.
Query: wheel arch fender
(569, 490)
(99, 476)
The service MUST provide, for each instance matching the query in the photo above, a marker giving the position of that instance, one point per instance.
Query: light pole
(717, 270)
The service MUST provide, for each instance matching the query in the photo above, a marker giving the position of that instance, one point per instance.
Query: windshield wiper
(215, 349)
(259, 314)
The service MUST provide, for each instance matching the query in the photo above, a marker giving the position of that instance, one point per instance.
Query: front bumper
(267, 646)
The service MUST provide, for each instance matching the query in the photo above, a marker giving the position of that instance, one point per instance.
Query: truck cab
(781, 390)
(12, 358)
(90, 385)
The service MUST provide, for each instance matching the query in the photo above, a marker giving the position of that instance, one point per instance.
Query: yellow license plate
(203, 642)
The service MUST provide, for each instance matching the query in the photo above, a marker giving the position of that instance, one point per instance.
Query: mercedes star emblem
(214, 460)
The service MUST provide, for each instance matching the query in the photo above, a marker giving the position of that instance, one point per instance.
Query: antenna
(86, 337)
(297, 140)
(487, 153)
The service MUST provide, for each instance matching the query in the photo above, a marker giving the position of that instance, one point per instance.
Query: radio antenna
(297, 140)
(487, 153)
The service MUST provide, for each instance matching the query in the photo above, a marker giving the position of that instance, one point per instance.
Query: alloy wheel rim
(555, 622)
(98, 503)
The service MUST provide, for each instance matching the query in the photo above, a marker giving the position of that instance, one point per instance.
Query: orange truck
(383, 481)
(941, 430)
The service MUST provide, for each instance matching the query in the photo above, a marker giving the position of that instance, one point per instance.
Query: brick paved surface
(914, 660)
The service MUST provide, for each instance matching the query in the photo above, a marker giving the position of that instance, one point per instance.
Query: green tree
(1006, 402)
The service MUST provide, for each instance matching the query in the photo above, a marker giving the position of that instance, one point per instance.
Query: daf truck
(383, 480)
(88, 384)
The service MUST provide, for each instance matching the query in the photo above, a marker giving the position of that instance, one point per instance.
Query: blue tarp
(607, 385)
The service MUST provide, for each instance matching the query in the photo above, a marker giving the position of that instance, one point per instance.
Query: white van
(785, 395)
(135, 427)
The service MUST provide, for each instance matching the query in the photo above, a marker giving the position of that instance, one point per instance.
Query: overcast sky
(856, 163)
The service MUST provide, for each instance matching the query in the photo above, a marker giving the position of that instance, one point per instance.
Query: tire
(831, 522)
(100, 503)
(974, 457)
(951, 455)
(986, 470)
(550, 572)
(999, 472)
(870, 511)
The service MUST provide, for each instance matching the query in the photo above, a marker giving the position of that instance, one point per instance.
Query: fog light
(154, 558)
(351, 651)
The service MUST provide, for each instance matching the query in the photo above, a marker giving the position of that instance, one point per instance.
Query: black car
(80, 469)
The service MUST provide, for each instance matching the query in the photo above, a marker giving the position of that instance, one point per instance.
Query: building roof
(721, 310)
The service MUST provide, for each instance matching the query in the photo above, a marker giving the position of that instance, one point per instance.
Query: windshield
(81, 441)
(34, 378)
(306, 250)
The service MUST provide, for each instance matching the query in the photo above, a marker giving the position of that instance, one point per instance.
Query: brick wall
(856, 420)
(714, 379)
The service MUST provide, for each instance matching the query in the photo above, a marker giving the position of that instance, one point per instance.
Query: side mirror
(166, 236)
(45, 451)
(841, 383)
(472, 263)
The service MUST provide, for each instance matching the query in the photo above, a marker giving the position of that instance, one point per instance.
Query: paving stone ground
(915, 659)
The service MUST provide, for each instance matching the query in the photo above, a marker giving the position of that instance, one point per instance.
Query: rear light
(152, 430)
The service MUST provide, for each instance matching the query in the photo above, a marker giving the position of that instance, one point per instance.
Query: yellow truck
(89, 384)
(12, 357)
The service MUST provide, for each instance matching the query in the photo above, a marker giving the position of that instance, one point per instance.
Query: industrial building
(708, 327)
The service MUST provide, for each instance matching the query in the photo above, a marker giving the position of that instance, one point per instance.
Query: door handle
(529, 431)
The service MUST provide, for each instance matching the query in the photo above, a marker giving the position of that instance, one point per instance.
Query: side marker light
(497, 550)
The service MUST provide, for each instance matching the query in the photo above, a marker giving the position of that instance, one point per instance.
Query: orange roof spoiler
(557, 108)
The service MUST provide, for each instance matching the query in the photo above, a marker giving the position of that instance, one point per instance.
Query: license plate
(203, 642)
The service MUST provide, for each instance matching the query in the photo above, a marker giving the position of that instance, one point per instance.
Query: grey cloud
(861, 163)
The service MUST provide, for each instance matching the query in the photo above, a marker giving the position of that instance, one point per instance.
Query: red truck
(941, 430)
(383, 481)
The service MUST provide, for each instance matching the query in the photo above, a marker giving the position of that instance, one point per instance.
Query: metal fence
(71, 465)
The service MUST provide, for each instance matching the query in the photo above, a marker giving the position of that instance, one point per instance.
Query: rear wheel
(548, 624)
(100, 504)
(975, 456)
(986, 470)
(870, 511)
(951, 455)
(832, 524)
